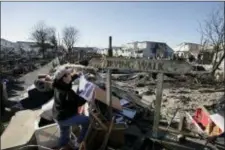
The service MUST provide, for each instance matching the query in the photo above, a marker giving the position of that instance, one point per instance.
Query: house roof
(146, 42)
(24, 42)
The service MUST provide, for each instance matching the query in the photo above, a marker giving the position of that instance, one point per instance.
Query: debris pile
(133, 107)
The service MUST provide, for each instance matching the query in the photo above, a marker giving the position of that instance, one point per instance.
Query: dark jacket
(222, 135)
(66, 101)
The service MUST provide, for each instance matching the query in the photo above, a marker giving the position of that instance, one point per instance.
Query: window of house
(139, 51)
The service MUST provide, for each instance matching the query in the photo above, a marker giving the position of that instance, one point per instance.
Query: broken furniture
(99, 125)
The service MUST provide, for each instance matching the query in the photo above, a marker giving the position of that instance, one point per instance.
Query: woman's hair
(60, 84)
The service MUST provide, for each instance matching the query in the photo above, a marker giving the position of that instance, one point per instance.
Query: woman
(65, 108)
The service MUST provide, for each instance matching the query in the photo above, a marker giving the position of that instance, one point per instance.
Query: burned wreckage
(119, 120)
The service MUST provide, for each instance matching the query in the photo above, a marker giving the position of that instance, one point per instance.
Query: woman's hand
(75, 72)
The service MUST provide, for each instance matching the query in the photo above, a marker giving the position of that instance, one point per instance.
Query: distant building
(186, 49)
(7, 44)
(18, 46)
(117, 51)
(28, 46)
(150, 49)
(147, 49)
(85, 49)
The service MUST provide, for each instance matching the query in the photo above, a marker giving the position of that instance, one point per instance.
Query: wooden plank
(109, 92)
(141, 64)
(106, 138)
(175, 145)
(100, 95)
(158, 104)
(181, 123)
(171, 130)
(20, 129)
(99, 121)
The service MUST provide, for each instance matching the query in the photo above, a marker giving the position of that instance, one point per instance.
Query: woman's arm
(222, 135)
(80, 100)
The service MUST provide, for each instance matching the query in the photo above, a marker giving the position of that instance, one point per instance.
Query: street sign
(140, 64)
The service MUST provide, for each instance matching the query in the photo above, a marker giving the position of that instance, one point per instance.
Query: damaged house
(145, 49)
(185, 50)
(149, 49)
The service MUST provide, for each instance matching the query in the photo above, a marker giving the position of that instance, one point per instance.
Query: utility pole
(110, 51)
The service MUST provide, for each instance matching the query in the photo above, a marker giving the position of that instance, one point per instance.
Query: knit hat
(43, 85)
(61, 72)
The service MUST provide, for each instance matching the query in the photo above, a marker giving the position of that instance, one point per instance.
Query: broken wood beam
(164, 142)
(109, 93)
(99, 121)
(158, 104)
(105, 141)
(83, 144)
(193, 135)
(181, 123)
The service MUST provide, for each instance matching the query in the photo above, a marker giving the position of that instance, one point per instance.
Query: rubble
(136, 94)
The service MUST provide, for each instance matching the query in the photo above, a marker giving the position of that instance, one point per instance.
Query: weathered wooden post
(108, 98)
(159, 91)
(108, 92)
(108, 81)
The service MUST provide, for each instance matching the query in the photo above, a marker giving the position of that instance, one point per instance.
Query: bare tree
(41, 34)
(212, 31)
(70, 36)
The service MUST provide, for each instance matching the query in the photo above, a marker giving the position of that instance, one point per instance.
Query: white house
(148, 49)
(85, 49)
(117, 51)
(185, 49)
(7, 44)
(18, 46)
